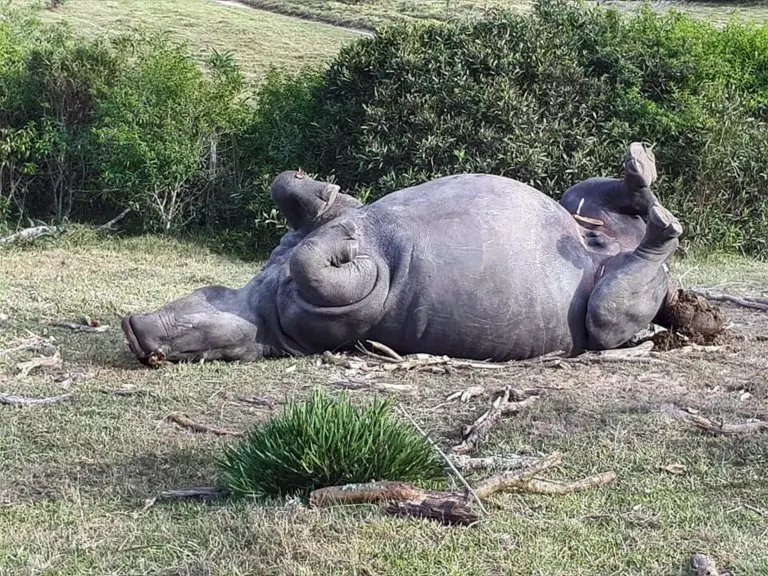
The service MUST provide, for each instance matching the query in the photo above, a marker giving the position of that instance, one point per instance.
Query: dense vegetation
(88, 128)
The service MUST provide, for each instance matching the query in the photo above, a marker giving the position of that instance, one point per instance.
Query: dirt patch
(691, 319)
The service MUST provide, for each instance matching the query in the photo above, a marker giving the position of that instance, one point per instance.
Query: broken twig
(507, 480)
(754, 302)
(30, 234)
(40, 362)
(494, 463)
(716, 428)
(447, 460)
(184, 421)
(540, 486)
(23, 401)
(79, 327)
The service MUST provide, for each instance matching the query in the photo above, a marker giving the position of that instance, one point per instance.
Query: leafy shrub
(326, 442)
(88, 127)
(551, 98)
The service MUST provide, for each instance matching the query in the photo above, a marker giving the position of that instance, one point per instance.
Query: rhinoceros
(474, 266)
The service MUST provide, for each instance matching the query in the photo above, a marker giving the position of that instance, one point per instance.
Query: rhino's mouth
(133, 341)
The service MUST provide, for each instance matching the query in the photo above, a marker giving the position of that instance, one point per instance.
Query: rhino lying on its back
(471, 266)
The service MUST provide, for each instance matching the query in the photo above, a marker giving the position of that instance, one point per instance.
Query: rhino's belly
(499, 303)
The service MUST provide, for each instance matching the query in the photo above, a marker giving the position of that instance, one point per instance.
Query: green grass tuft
(327, 442)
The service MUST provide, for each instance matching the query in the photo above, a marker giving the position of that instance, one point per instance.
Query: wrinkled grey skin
(470, 266)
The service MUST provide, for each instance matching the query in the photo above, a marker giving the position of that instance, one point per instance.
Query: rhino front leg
(328, 268)
(633, 286)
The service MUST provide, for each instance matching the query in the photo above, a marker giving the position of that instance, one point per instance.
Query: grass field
(256, 38)
(374, 13)
(75, 476)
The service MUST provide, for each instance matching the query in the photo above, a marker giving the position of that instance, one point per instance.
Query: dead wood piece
(30, 234)
(368, 493)
(493, 463)
(476, 433)
(23, 401)
(386, 350)
(127, 391)
(33, 343)
(716, 428)
(204, 492)
(257, 401)
(109, 226)
(449, 511)
(513, 479)
(381, 386)
(45, 362)
(467, 394)
(705, 566)
(754, 302)
(378, 357)
(79, 327)
(540, 486)
(184, 421)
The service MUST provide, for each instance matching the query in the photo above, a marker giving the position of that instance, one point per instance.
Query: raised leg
(306, 203)
(328, 269)
(635, 196)
(632, 288)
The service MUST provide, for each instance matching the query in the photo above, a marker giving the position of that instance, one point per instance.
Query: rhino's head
(212, 323)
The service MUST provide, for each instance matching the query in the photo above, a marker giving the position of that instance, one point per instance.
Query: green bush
(551, 98)
(88, 128)
(327, 442)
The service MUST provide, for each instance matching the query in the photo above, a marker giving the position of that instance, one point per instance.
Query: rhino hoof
(663, 220)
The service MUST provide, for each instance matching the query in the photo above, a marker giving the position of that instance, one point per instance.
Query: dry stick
(363, 350)
(724, 429)
(384, 349)
(41, 362)
(29, 234)
(383, 386)
(445, 510)
(496, 463)
(483, 425)
(367, 493)
(505, 480)
(714, 427)
(22, 401)
(447, 460)
(108, 226)
(540, 486)
(257, 401)
(747, 302)
(184, 421)
(78, 327)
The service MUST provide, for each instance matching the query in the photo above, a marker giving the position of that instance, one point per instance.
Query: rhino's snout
(137, 341)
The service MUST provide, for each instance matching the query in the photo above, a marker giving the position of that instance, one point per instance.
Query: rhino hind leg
(329, 270)
(639, 167)
(634, 285)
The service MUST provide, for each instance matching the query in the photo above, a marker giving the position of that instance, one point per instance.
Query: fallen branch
(386, 350)
(40, 362)
(79, 327)
(450, 511)
(184, 421)
(381, 386)
(128, 391)
(208, 493)
(540, 486)
(507, 480)
(30, 234)
(109, 226)
(754, 302)
(479, 430)
(368, 493)
(447, 460)
(33, 343)
(22, 401)
(716, 428)
(257, 401)
(494, 463)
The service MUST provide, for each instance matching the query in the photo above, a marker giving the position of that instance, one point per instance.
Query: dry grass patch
(76, 475)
